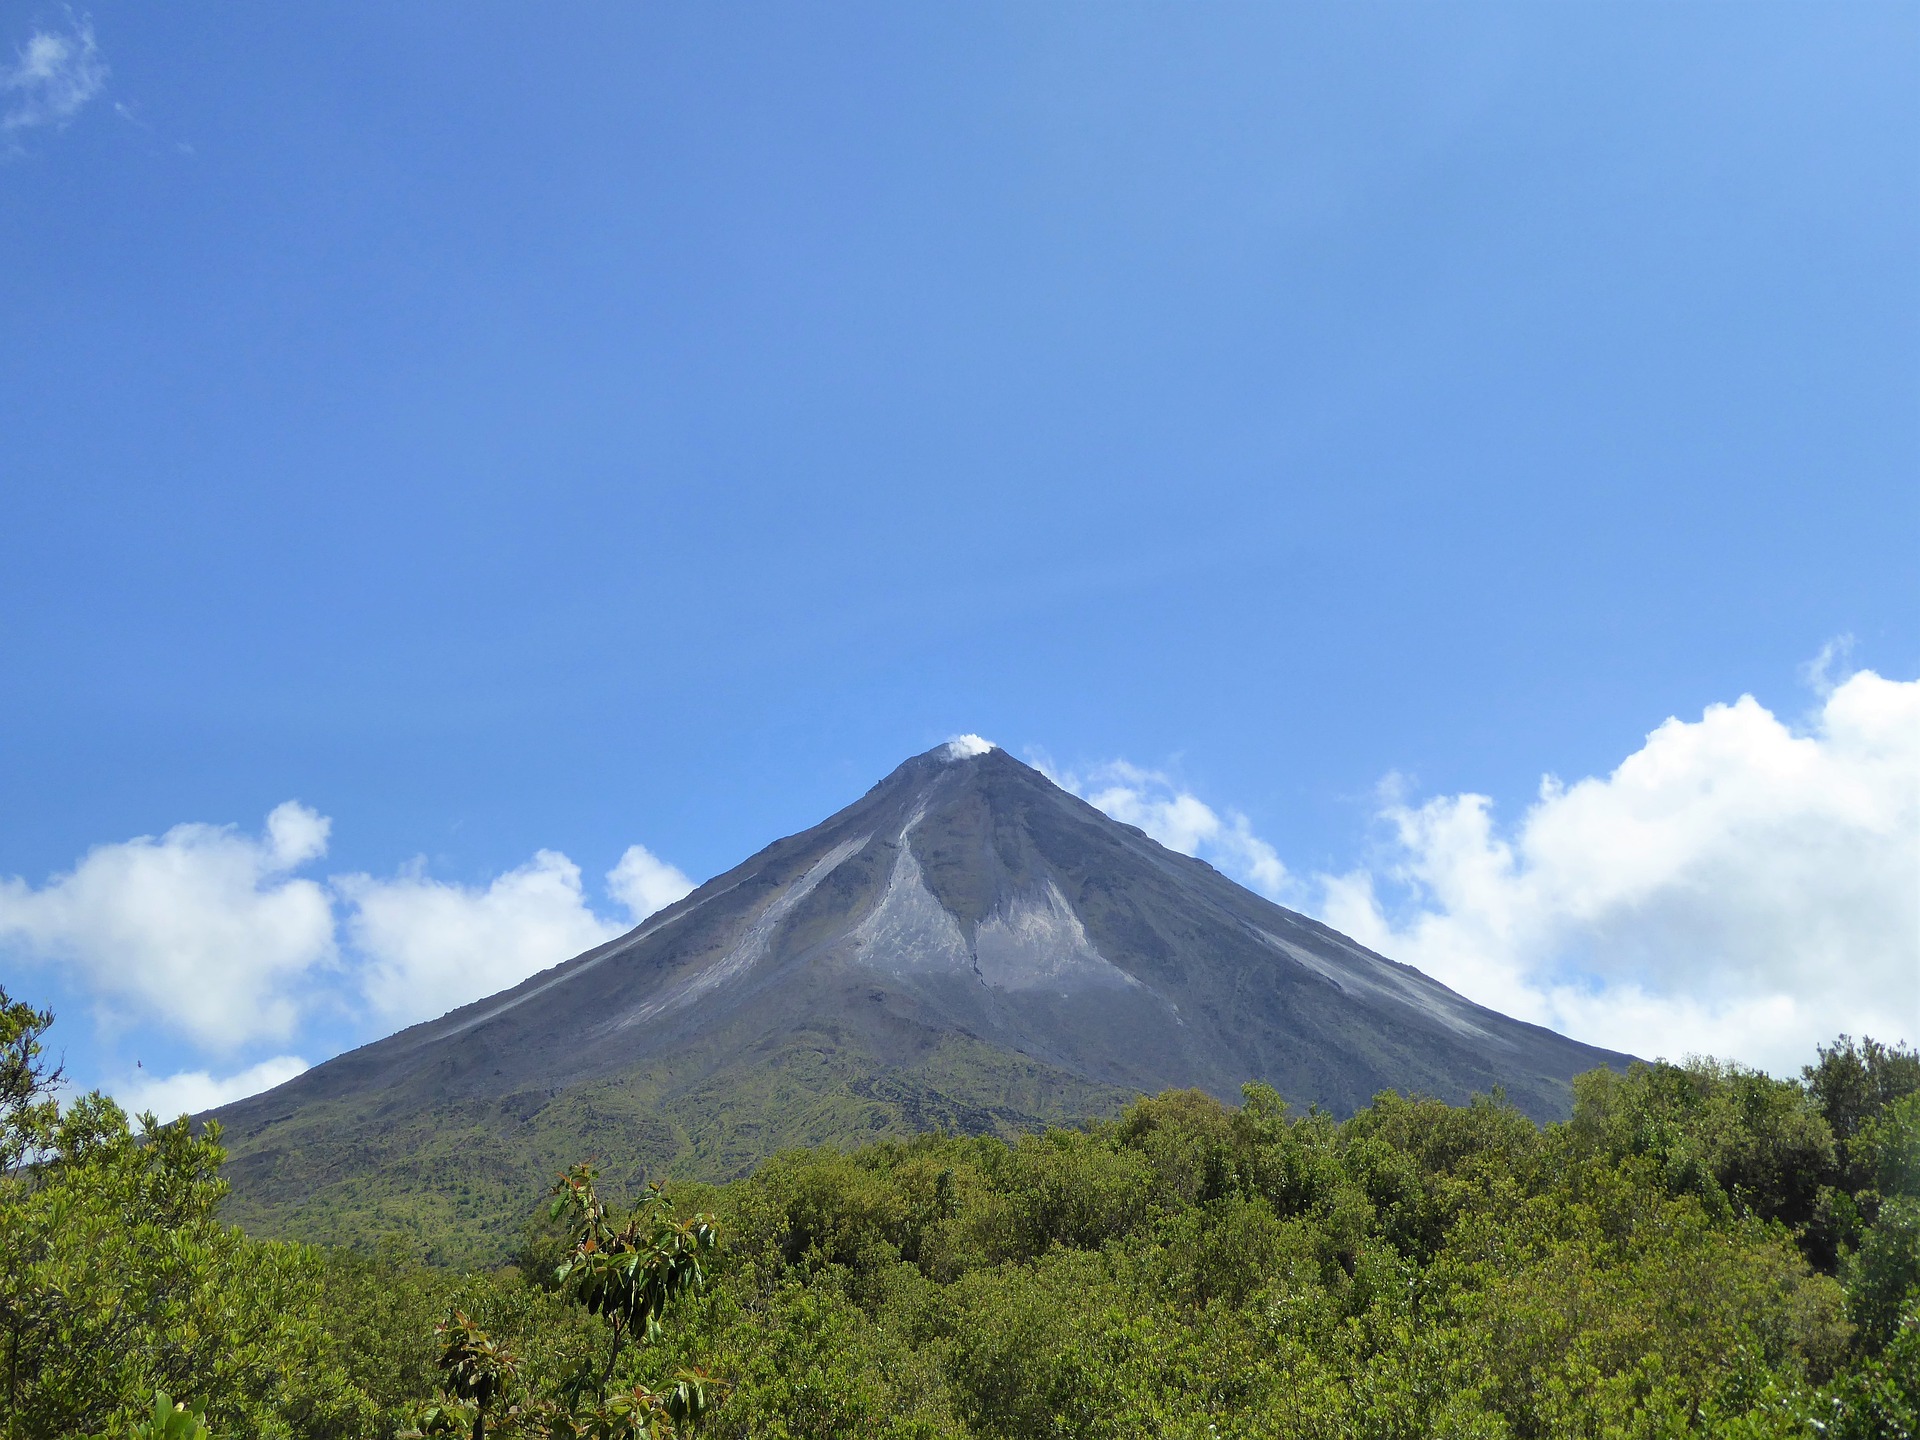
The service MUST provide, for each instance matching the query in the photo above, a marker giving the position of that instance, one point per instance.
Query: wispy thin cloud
(1819, 672)
(54, 74)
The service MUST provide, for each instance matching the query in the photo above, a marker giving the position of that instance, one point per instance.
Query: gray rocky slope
(966, 945)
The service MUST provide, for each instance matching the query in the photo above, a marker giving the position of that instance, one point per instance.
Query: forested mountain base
(456, 1182)
(1700, 1250)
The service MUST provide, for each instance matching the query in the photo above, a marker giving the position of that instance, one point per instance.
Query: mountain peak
(957, 751)
(967, 747)
(970, 755)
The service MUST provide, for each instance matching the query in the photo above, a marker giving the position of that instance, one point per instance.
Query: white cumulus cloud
(1152, 801)
(644, 883)
(208, 934)
(54, 74)
(1735, 886)
(191, 1091)
(431, 946)
(203, 929)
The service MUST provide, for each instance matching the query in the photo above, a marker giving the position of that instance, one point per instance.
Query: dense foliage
(1700, 1250)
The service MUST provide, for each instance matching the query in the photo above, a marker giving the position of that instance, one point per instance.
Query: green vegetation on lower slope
(1700, 1250)
(454, 1176)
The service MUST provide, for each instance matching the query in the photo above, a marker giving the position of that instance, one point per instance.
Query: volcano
(967, 946)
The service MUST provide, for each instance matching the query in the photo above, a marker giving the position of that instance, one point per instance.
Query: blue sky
(506, 431)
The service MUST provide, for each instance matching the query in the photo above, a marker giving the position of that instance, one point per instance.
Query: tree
(169, 1420)
(628, 1273)
(119, 1281)
(1853, 1083)
(477, 1373)
(28, 1111)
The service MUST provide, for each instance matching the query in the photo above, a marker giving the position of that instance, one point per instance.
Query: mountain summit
(967, 945)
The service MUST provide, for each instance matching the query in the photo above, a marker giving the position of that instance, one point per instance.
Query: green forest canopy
(1701, 1250)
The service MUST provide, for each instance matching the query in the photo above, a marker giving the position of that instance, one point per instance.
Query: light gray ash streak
(1031, 941)
(1367, 976)
(755, 942)
(1035, 941)
(910, 931)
